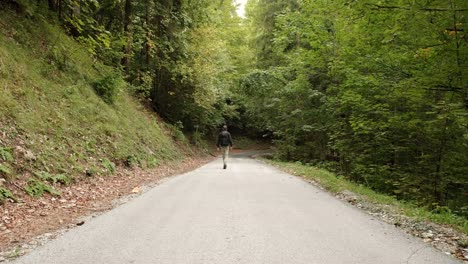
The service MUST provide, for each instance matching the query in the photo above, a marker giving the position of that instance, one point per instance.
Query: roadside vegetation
(337, 185)
(375, 90)
(65, 115)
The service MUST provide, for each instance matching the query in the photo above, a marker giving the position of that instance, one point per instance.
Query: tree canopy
(379, 88)
(375, 90)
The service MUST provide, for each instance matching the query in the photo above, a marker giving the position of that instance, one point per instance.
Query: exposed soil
(33, 221)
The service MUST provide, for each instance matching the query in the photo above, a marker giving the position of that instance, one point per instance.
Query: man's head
(224, 128)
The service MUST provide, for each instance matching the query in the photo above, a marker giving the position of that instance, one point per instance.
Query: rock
(20, 150)
(427, 235)
(27, 154)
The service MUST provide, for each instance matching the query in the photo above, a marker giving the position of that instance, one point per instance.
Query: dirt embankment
(33, 221)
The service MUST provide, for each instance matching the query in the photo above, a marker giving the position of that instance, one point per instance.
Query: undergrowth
(71, 112)
(37, 188)
(6, 194)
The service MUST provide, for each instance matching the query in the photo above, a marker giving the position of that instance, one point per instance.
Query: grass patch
(70, 110)
(335, 184)
(108, 165)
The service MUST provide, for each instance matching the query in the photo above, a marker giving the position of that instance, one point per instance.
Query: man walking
(224, 142)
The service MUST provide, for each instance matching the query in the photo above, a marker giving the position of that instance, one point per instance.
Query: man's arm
(230, 140)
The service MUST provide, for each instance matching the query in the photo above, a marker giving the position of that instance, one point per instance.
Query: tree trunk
(128, 34)
(60, 9)
(52, 5)
(147, 46)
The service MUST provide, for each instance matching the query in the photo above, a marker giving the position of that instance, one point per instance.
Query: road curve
(249, 213)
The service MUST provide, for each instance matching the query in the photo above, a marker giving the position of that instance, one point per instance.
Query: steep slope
(64, 115)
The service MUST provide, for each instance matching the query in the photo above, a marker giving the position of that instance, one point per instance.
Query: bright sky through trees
(241, 7)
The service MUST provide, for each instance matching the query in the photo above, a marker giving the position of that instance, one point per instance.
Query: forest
(374, 90)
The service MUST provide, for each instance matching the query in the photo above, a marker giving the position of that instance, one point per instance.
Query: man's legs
(225, 156)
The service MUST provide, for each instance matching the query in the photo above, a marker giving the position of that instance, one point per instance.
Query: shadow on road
(248, 154)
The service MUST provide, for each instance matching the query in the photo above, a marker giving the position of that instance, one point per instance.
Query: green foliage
(108, 88)
(6, 194)
(55, 112)
(463, 243)
(59, 57)
(6, 154)
(54, 178)
(151, 162)
(5, 171)
(28, 8)
(92, 171)
(37, 188)
(176, 132)
(108, 165)
(132, 161)
(376, 88)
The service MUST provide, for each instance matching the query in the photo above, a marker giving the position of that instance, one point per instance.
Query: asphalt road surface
(249, 213)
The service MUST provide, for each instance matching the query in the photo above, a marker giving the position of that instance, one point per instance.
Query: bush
(131, 161)
(176, 132)
(108, 87)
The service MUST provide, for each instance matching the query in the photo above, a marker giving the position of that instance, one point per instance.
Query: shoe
(224, 167)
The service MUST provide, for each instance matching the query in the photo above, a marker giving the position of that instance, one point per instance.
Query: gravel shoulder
(444, 238)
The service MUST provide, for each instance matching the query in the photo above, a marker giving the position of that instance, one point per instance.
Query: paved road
(250, 213)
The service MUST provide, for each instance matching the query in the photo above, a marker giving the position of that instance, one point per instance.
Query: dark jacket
(224, 139)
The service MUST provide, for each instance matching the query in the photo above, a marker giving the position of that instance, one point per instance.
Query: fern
(57, 178)
(6, 194)
(6, 154)
(37, 188)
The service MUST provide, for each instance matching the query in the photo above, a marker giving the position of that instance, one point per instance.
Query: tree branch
(422, 9)
(445, 88)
